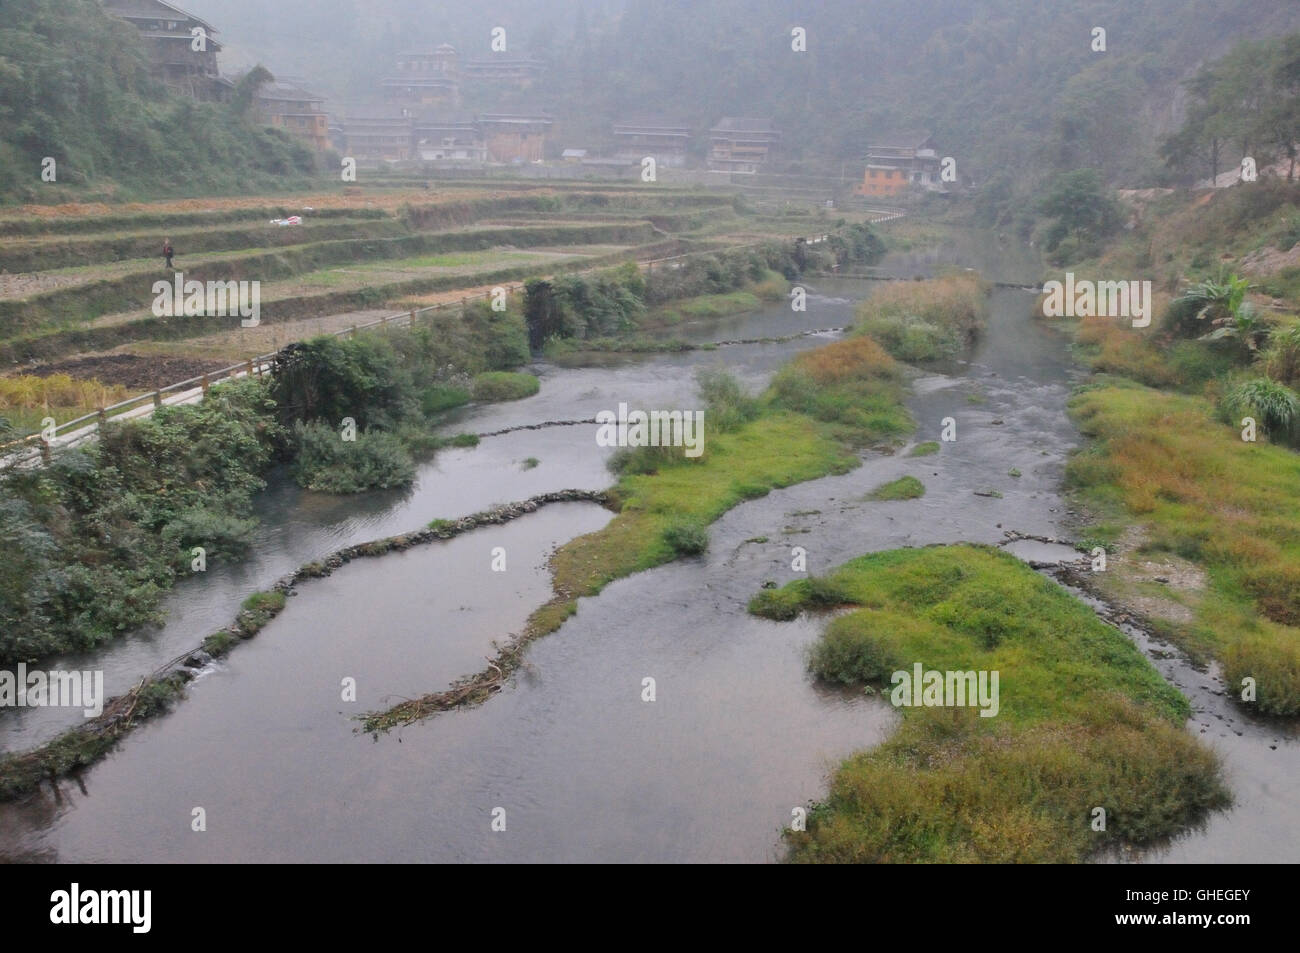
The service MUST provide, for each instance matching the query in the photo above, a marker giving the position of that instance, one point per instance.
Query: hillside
(74, 86)
(1011, 88)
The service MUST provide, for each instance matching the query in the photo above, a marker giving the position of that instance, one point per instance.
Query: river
(570, 756)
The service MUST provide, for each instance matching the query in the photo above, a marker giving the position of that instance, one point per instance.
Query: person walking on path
(167, 252)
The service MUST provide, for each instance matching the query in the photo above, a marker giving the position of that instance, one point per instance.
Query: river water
(571, 755)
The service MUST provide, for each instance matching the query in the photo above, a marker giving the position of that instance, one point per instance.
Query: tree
(1081, 207)
(1231, 100)
(247, 87)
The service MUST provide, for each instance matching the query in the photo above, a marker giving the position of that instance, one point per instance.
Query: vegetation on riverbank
(90, 543)
(1083, 720)
(1205, 495)
(622, 301)
(926, 320)
(93, 541)
(503, 385)
(1167, 478)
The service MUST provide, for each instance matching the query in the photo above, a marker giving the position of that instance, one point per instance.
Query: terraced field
(76, 281)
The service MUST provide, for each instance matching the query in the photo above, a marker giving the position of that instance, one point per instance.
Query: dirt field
(135, 372)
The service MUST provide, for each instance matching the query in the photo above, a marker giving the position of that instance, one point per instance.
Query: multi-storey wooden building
(181, 48)
(634, 139)
(295, 110)
(514, 137)
(424, 79)
(448, 139)
(386, 137)
(900, 161)
(502, 69)
(741, 145)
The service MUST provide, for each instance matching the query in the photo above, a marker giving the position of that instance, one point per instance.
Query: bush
(220, 533)
(686, 537)
(504, 385)
(374, 461)
(1276, 408)
(329, 378)
(851, 651)
(1282, 357)
(436, 398)
(1274, 664)
(501, 335)
(727, 406)
(644, 460)
(926, 320)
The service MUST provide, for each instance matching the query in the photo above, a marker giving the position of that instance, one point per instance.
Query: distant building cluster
(415, 114)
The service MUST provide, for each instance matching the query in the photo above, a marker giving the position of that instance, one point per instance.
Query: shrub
(326, 462)
(643, 460)
(727, 406)
(686, 537)
(220, 533)
(1277, 408)
(926, 320)
(329, 378)
(1274, 664)
(1282, 357)
(439, 397)
(851, 651)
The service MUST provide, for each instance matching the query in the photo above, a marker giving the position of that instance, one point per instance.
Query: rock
(198, 659)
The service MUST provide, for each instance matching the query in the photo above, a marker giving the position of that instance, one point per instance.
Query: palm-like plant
(1220, 298)
(1221, 301)
(1243, 325)
(1277, 407)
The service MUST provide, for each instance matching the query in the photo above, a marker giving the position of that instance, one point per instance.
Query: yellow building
(881, 180)
(294, 110)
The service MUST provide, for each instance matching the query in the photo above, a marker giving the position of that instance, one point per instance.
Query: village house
(637, 138)
(898, 162)
(385, 137)
(424, 79)
(448, 139)
(741, 145)
(170, 36)
(514, 137)
(520, 72)
(295, 110)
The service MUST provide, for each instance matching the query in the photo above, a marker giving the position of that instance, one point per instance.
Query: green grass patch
(821, 404)
(504, 385)
(1205, 495)
(904, 488)
(1083, 720)
(925, 449)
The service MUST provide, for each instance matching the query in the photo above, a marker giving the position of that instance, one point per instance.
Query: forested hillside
(1011, 87)
(75, 86)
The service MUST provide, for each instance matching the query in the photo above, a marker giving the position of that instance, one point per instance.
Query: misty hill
(1007, 86)
(75, 86)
